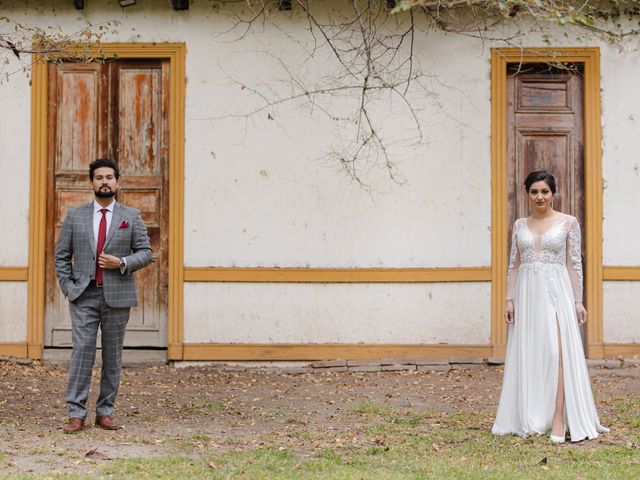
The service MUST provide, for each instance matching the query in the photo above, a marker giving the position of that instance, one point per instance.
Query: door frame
(175, 54)
(589, 57)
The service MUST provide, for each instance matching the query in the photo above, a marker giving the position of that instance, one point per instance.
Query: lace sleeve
(514, 262)
(574, 258)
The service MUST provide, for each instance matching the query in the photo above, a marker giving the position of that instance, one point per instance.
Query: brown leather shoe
(74, 425)
(106, 422)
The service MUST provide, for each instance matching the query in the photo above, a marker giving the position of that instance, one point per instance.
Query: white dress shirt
(97, 216)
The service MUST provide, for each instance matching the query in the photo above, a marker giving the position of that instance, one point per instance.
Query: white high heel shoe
(559, 438)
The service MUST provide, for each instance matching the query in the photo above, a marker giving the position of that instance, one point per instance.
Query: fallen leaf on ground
(96, 455)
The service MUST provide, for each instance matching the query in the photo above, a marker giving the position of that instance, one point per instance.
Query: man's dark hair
(539, 175)
(103, 162)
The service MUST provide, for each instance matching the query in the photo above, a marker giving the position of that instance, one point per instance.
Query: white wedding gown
(544, 281)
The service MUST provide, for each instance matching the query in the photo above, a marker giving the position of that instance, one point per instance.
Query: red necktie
(102, 236)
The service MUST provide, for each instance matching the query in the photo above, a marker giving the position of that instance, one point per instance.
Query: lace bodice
(560, 244)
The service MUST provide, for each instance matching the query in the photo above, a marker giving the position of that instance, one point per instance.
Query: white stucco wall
(262, 192)
(266, 193)
(621, 310)
(15, 128)
(338, 313)
(620, 160)
(13, 312)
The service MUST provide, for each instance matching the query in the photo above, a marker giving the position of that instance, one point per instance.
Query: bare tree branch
(374, 59)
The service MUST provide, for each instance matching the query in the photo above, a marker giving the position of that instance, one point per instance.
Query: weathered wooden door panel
(140, 140)
(118, 110)
(545, 131)
(535, 151)
(79, 91)
(76, 122)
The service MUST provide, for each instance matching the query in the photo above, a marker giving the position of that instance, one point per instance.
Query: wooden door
(117, 110)
(545, 131)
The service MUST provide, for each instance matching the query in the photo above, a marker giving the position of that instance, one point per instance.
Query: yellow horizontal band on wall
(338, 275)
(13, 274)
(273, 352)
(319, 275)
(621, 273)
(14, 350)
(621, 350)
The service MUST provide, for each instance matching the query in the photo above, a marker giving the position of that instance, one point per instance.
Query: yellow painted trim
(621, 350)
(593, 199)
(13, 274)
(175, 330)
(498, 200)
(13, 349)
(621, 273)
(128, 50)
(175, 53)
(271, 352)
(338, 275)
(590, 58)
(595, 350)
(37, 209)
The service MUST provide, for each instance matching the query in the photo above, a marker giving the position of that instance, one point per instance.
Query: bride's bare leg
(558, 427)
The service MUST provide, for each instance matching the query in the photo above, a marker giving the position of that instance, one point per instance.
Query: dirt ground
(165, 410)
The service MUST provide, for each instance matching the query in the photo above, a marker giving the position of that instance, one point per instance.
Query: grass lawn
(394, 444)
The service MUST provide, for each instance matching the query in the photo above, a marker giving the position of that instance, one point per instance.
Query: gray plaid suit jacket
(75, 257)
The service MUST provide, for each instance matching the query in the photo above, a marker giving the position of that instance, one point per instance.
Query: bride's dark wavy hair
(538, 175)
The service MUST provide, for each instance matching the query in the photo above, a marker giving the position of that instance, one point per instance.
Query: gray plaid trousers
(88, 313)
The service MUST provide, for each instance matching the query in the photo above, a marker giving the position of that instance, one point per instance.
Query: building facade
(268, 245)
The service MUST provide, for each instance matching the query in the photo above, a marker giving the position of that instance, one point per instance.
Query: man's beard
(107, 194)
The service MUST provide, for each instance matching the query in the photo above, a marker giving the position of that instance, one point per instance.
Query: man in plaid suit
(100, 245)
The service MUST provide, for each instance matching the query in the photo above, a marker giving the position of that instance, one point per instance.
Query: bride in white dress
(546, 384)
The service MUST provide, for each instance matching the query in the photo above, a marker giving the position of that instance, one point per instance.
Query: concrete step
(130, 357)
